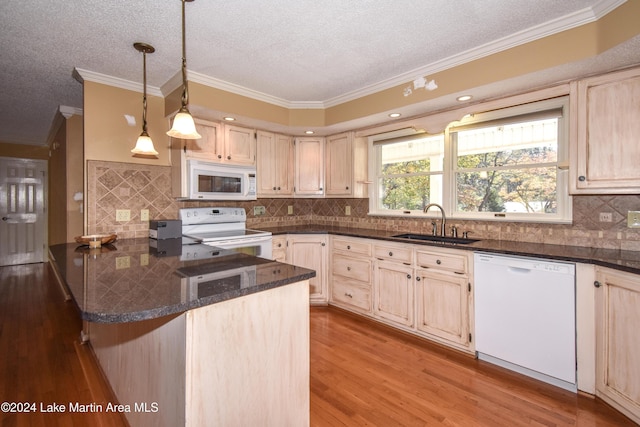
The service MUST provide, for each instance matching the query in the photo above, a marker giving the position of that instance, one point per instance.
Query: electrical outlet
(633, 219)
(144, 215)
(290, 210)
(123, 262)
(347, 210)
(123, 215)
(144, 259)
(606, 217)
(259, 210)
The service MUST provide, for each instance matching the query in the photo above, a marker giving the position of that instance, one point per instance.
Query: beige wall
(65, 215)
(107, 135)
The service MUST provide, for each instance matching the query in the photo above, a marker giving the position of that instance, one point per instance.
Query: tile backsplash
(135, 187)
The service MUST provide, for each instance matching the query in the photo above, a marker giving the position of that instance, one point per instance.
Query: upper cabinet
(239, 146)
(604, 148)
(274, 165)
(309, 167)
(219, 143)
(346, 166)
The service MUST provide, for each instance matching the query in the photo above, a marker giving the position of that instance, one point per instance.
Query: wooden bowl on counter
(96, 240)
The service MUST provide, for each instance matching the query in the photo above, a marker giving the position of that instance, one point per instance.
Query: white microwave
(215, 181)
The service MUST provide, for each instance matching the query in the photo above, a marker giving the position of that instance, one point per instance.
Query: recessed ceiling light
(229, 119)
(464, 98)
(394, 115)
(309, 132)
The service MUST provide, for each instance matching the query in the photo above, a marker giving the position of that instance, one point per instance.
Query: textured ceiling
(292, 50)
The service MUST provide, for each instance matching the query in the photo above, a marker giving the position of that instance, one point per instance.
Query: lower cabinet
(393, 288)
(279, 248)
(310, 251)
(618, 340)
(442, 307)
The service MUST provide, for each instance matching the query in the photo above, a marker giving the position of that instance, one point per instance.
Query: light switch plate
(633, 219)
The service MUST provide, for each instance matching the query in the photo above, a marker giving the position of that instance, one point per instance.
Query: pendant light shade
(144, 145)
(183, 125)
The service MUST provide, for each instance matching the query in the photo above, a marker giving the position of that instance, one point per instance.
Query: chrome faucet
(444, 218)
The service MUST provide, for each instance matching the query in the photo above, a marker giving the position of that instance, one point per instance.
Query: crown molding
(86, 75)
(70, 111)
(564, 23)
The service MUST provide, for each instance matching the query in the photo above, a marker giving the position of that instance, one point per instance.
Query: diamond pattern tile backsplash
(114, 186)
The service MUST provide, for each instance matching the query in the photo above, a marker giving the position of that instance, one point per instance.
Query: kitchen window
(506, 164)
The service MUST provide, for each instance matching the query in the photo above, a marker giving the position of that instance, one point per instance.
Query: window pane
(531, 190)
(409, 192)
(421, 155)
(515, 144)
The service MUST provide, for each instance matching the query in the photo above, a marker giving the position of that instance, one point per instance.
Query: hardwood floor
(362, 373)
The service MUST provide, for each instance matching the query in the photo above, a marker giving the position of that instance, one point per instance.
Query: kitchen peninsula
(216, 341)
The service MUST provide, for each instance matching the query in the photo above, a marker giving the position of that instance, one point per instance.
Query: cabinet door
(279, 248)
(339, 165)
(604, 134)
(240, 145)
(393, 290)
(310, 251)
(209, 147)
(443, 306)
(309, 175)
(618, 340)
(283, 174)
(274, 165)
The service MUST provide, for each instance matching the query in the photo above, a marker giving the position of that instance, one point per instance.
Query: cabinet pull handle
(597, 284)
(348, 295)
(582, 178)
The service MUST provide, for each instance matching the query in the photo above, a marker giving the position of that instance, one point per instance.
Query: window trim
(551, 106)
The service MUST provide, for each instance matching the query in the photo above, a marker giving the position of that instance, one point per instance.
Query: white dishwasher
(525, 316)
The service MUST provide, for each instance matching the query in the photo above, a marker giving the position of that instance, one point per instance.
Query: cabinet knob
(219, 156)
(347, 187)
(320, 188)
(228, 157)
(348, 268)
(274, 188)
(390, 253)
(438, 262)
(323, 244)
(408, 276)
(348, 246)
(582, 178)
(597, 284)
(278, 188)
(418, 279)
(279, 245)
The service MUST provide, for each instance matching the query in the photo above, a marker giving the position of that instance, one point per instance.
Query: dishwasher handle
(519, 270)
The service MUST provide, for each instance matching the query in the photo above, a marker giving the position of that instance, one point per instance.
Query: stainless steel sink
(431, 238)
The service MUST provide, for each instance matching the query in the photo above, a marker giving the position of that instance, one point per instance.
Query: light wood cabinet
(393, 292)
(239, 146)
(443, 296)
(346, 166)
(311, 251)
(274, 165)
(207, 148)
(604, 149)
(351, 274)
(309, 167)
(618, 340)
(279, 248)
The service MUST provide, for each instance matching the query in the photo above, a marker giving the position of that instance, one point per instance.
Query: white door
(22, 211)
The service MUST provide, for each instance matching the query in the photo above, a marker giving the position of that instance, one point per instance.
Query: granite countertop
(621, 260)
(130, 281)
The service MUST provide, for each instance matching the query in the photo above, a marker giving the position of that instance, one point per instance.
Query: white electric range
(224, 228)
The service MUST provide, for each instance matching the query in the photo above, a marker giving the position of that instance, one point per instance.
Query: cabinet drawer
(440, 261)
(352, 245)
(394, 253)
(354, 268)
(350, 293)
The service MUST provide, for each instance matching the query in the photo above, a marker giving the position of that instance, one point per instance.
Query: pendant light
(183, 125)
(144, 146)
